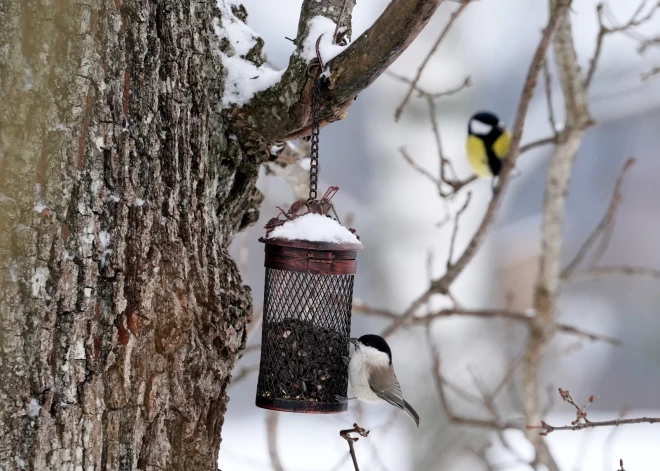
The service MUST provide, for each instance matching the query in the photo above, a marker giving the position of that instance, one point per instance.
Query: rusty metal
(307, 302)
(306, 325)
(315, 109)
(322, 206)
(307, 407)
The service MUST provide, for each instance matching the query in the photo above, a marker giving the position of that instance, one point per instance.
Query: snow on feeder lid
(310, 261)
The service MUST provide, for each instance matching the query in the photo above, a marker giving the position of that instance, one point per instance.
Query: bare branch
(373, 52)
(454, 16)
(350, 72)
(637, 19)
(582, 422)
(346, 435)
(455, 231)
(360, 307)
(494, 424)
(243, 373)
(272, 418)
(616, 270)
(548, 98)
(559, 173)
(604, 227)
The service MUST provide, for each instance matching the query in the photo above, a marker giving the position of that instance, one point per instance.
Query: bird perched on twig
(371, 374)
(487, 144)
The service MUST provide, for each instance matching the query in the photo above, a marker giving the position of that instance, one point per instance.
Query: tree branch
(283, 111)
(441, 285)
(272, 418)
(346, 435)
(581, 420)
(559, 175)
(443, 34)
(604, 227)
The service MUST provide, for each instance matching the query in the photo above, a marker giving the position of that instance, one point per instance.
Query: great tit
(371, 375)
(487, 144)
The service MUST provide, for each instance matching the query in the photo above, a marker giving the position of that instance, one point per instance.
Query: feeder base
(307, 407)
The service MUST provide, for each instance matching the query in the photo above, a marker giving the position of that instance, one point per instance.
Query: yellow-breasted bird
(487, 144)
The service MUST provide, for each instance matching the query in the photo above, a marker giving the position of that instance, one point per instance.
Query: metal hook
(319, 62)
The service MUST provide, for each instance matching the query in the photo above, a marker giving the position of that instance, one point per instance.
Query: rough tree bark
(122, 313)
(122, 182)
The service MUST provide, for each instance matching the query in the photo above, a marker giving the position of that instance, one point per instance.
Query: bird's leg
(343, 399)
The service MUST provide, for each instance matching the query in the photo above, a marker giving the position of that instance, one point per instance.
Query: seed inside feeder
(305, 360)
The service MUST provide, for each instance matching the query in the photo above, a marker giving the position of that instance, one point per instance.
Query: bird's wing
(387, 387)
(502, 144)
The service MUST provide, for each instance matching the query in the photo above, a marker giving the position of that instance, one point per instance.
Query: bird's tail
(408, 409)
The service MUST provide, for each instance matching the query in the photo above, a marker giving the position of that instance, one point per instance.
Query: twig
(615, 270)
(346, 435)
(481, 455)
(272, 418)
(582, 422)
(604, 227)
(494, 424)
(243, 373)
(363, 308)
(452, 19)
(548, 98)
(441, 285)
(540, 143)
(603, 30)
(607, 446)
(455, 231)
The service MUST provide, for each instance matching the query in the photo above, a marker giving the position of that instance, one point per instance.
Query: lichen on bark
(122, 312)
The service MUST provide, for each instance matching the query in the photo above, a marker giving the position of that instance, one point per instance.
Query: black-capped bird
(487, 144)
(371, 375)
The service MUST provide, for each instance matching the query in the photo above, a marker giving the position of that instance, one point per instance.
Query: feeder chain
(316, 119)
(314, 154)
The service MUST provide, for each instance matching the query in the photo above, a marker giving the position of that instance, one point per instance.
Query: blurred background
(396, 211)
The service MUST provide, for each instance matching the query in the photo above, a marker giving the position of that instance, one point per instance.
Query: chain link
(314, 154)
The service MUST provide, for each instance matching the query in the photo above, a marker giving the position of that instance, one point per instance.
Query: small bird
(371, 374)
(487, 144)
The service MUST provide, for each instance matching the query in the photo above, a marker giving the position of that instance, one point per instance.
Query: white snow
(244, 79)
(105, 239)
(39, 207)
(33, 408)
(138, 202)
(320, 25)
(38, 281)
(13, 271)
(314, 228)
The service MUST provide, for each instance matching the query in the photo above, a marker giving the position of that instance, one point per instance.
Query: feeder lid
(313, 231)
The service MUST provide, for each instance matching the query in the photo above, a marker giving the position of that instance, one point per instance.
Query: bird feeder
(307, 310)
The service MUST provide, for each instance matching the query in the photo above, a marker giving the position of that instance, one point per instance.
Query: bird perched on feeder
(371, 375)
(487, 144)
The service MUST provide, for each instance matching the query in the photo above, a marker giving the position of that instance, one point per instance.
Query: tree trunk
(121, 312)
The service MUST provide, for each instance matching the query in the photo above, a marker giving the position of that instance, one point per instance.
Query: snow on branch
(268, 105)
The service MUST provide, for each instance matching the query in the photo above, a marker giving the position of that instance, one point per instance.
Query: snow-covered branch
(276, 105)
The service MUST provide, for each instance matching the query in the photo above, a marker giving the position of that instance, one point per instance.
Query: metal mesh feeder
(306, 323)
